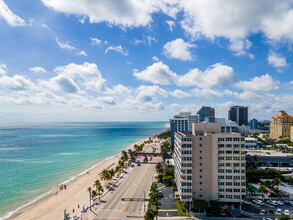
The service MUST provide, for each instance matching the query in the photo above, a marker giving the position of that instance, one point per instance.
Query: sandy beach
(52, 206)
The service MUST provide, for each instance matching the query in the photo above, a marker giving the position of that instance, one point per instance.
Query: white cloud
(207, 93)
(107, 99)
(3, 69)
(149, 93)
(121, 90)
(37, 69)
(155, 58)
(147, 39)
(157, 73)
(171, 24)
(11, 18)
(125, 13)
(217, 75)
(45, 26)
(262, 83)
(83, 53)
(17, 82)
(62, 83)
(205, 18)
(118, 49)
(89, 72)
(179, 94)
(178, 49)
(248, 95)
(277, 61)
(65, 45)
(239, 46)
(95, 41)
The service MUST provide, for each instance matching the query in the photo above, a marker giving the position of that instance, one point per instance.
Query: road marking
(167, 210)
(161, 187)
(136, 186)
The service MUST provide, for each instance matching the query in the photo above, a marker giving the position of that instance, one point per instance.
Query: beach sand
(53, 206)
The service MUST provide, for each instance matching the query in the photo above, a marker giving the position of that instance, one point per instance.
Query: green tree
(200, 204)
(149, 215)
(89, 189)
(159, 168)
(263, 190)
(105, 176)
(283, 217)
(256, 159)
(99, 189)
(277, 183)
(124, 156)
(94, 193)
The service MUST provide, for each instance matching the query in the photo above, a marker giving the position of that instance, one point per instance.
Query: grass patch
(181, 211)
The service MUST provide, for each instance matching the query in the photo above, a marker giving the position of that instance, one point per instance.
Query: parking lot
(255, 206)
(168, 205)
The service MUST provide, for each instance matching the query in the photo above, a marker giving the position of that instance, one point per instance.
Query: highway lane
(133, 186)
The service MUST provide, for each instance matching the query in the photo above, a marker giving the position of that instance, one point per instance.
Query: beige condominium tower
(209, 164)
(281, 125)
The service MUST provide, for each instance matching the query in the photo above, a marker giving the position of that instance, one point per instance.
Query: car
(274, 203)
(278, 212)
(271, 211)
(280, 203)
(268, 153)
(160, 194)
(75, 217)
(287, 202)
(286, 212)
(263, 212)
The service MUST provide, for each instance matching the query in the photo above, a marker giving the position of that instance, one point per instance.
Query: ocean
(35, 158)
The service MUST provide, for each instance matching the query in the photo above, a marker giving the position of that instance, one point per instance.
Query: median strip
(167, 210)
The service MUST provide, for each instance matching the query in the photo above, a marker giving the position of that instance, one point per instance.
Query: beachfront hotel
(209, 164)
(281, 125)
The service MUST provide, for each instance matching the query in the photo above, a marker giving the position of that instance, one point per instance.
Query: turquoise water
(36, 158)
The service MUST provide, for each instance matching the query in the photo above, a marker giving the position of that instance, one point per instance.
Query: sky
(133, 60)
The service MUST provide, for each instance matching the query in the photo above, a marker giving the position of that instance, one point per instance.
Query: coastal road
(132, 187)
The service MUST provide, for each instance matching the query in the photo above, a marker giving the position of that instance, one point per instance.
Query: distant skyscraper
(253, 124)
(239, 114)
(281, 125)
(206, 111)
(182, 122)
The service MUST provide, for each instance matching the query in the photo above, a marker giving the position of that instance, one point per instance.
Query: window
(228, 139)
(228, 164)
(200, 151)
(243, 177)
(189, 171)
(236, 139)
(236, 145)
(188, 177)
(221, 152)
(221, 158)
(200, 139)
(242, 146)
(221, 177)
(200, 164)
(200, 196)
(236, 158)
(228, 171)
(236, 184)
(242, 171)
(221, 164)
(200, 158)
(236, 151)
(221, 145)
(242, 139)
(236, 177)
(228, 152)
(200, 190)
(221, 197)
(228, 183)
(228, 196)
(236, 171)
(236, 164)
(243, 164)
(200, 170)
(228, 190)
(236, 196)
(200, 145)
(228, 177)
(221, 183)
(221, 139)
(221, 190)
(229, 158)
(221, 170)
(242, 183)
(236, 190)
(229, 145)
(243, 190)
(200, 177)
(200, 183)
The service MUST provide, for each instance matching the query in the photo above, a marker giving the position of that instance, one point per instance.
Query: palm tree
(121, 164)
(94, 193)
(97, 182)
(159, 168)
(130, 154)
(90, 193)
(111, 174)
(99, 190)
(124, 156)
(264, 190)
(256, 159)
(277, 182)
(105, 176)
(117, 169)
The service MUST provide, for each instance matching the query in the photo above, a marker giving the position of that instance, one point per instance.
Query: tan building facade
(281, 125)
(209, 164)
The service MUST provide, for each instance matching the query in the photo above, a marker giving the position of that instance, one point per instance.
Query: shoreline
(46, 196)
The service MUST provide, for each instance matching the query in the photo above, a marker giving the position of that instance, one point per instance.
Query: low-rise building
(209, 164)
(252, 143)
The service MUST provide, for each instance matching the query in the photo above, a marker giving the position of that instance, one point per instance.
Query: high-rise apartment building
(182, 122)
(281, 125)
(205, 112)
(239, 114)
(253, 124)
(209, 164)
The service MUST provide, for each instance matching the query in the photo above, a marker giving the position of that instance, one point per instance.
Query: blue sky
(109, 60)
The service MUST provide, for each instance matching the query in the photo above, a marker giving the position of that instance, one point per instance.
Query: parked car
(160, 194)
(286, 212)
(278, 212)
(280, 203)
(263, 212)
(287, 202)
(274, 203)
